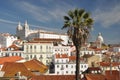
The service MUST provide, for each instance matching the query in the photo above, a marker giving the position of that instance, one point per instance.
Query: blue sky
(48, 14)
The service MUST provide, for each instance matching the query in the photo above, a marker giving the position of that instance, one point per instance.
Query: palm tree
(78, 23)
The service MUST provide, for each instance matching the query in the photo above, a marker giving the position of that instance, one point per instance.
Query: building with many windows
(40, 49)
(65, 65)
(25, 33)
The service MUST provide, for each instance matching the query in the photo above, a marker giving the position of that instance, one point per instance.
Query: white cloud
(108, 17)
(44, 14)
(8, 21)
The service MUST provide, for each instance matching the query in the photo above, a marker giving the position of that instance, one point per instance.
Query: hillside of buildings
(44, 55)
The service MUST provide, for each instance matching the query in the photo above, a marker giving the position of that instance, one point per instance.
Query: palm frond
(86, 15)
(81, 11)
(66, 18)
(70, 13)
(76, 12)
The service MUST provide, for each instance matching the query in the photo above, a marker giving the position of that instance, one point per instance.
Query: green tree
(78, 23)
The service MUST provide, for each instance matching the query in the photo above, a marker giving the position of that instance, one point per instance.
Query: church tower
(26, 29)
(99, 40)
(26, 26)
(22, 31)
(19, 30)
(19, 27)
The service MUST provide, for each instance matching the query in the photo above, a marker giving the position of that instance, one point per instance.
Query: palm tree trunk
(77, 63)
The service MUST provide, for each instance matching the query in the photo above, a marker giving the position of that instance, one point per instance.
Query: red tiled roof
(43, 40)
(3, 49)
(71, 58)
(61, 55)
(14, 47)
(114, 76)
(10, 59)
(96, 49)
(94, 68)
(57, 55)
(106, 64)
(54, 77)
(95, 77)
(34, 65)
(11, 68)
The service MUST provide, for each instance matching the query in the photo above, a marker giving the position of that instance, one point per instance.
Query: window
(71, 72)
(81, 66)
(66, 61)
(46, 47)
(16, 54)
(62, 61)
(40, 48)
(66, 71)
(57, 72)
(66, 49)
(46, 61)
(41, 56)
(62, 68)
(57, 61)
(66, 66)
(31, 56)
(35, 57)
(26, 47)
(84, 66)
(19, 54)
(34, 47)
(30, 47)
(12, 54)
(71, 66)
(57, 66)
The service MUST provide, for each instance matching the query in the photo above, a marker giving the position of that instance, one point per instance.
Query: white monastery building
(25, 33)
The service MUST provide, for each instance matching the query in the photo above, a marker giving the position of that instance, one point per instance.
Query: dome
(100, 38)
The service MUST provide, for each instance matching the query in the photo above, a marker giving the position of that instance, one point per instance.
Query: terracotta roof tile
(57, 55)
(34, 65)
(12, 68)
(95, 77)
(71, 58)
(3, 49)
(114, 76)
(54, 77)
(14, 47)
(94, 68)
(10, 59)
(61, 55)
(43, 40)
(106, 64)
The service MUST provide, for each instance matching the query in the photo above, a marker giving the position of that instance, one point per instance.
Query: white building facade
(116, 49)
(63, 66)
(6, 39)
(25, 33)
